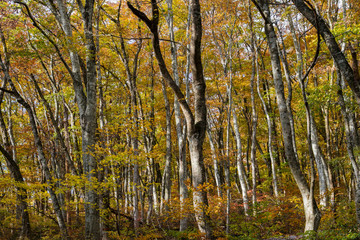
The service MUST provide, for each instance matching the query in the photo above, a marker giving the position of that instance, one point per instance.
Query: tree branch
(46, 36)
(153, 26)
(318, 45)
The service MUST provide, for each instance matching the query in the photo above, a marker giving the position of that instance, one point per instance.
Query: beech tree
(87, 103)
(196, 122)
(312, 213)
(103, 122)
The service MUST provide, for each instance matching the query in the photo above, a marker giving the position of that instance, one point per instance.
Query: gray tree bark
(350, 144)
(253, 113)
(196, 122)
(174, 65)
(312, 213)
(240, 166)
(270, 135)
(149, 142)
(87, 103)
(89, 124)
(215, 164)
(166, 181)
(324, 181)
(180, 127)
(225, 52)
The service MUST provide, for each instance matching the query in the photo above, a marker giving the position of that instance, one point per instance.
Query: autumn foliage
(126, 180)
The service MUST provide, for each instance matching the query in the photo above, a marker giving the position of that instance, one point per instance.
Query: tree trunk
(270, 136)
(253, 113)
(166, 181)
(240, 166)
(87, 104)
(181, 130)
(350, 144)
(89, 126)
(215, 163)
(196, 123)
(312, 213)
(324, 180)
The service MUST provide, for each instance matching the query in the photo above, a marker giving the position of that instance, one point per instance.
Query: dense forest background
(179, 119)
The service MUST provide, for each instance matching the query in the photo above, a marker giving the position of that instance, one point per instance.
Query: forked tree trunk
(324, 180)
(289, 97)
(87, 103)
(196, 122)
(312, 213)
